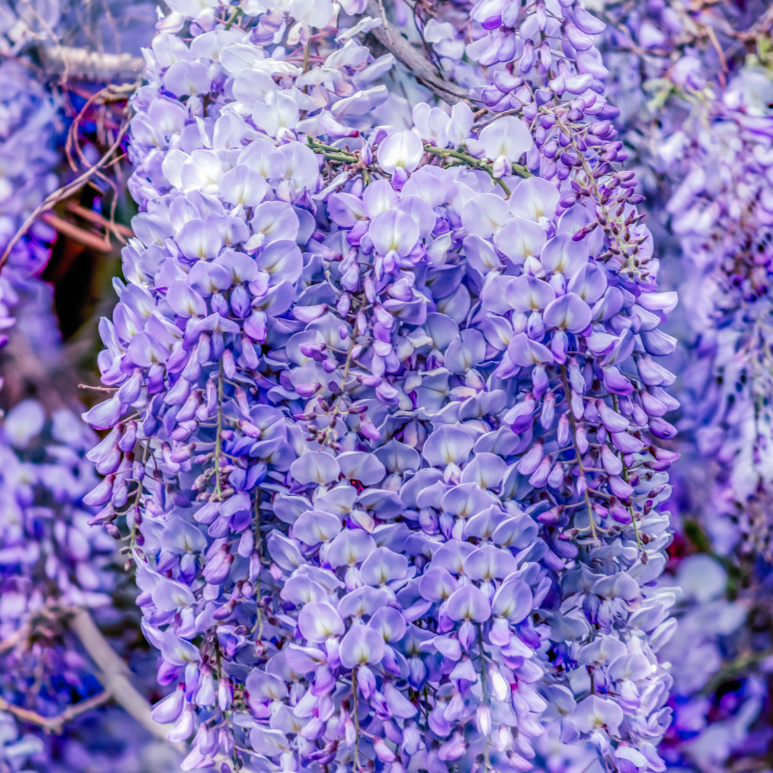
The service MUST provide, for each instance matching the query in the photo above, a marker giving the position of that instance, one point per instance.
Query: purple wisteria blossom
(388, 451)
(727, 383)
(27, 156)
(52, 563)
(385, 434)
(702, 142)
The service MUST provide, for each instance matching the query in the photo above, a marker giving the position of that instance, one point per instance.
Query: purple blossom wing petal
(465, 352)
(315, 467)
(437, 584)
(363, 601)
(469, 603)
(525, 352)
(518, 532)
(481, 254)
(486, 470)
(350, 547)
(488, 563)
(282, 261)
(534, 198)
(485, 215)
(319, 621)
(527, 293)
(569, 312)
(362, 645)
(389, 623)
(259, 683)
(284, 551)
(394, 231)
(304, 660)
(178, 651)
(314, 527)
(562, 255)
(365, 468)
(447, 445)
(589, 283)
(399, 706)
(506, 137)
(513, 601)
(520, 239)
(451, 556)
(398, 457)
(382, 566)
(401, 150)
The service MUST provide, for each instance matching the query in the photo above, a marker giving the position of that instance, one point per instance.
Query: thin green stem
(484, 690)
(218, 437)
(331, 152)
(234, 16)
(573, 425)
(356, 721)
(470, 161)
(138, 496)
(347, 366)
(639, 545)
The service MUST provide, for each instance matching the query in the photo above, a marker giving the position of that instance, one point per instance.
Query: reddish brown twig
(99, 243)
(121, 232)
(72, 134)
(98, 388)
(113, 672)
(55, 724)
(62, 193)
(14, 639)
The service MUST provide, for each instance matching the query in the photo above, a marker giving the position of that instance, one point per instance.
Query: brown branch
(92, 66)
(67, 228)
(26, 374)
(478, 125)
(55, 724)
(720, 53)
(98, 388)
(389, 37)
(14, 639)
(94, 217)
(62, 193)
(72, 133)
(114, 673)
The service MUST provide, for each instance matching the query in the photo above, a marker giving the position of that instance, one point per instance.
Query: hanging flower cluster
(54, 564)
(710, 623)
(51, 560)
(723, 213)
(386, 421)
(27, 156)
(703, 136)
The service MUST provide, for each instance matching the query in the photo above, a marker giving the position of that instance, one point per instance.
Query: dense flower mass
(55, 567)
(392, 390)
(705, 137)
(727, 383)
(387, 414)
(723, 218)
(27, 156)
(53, 563)
(51, 558)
